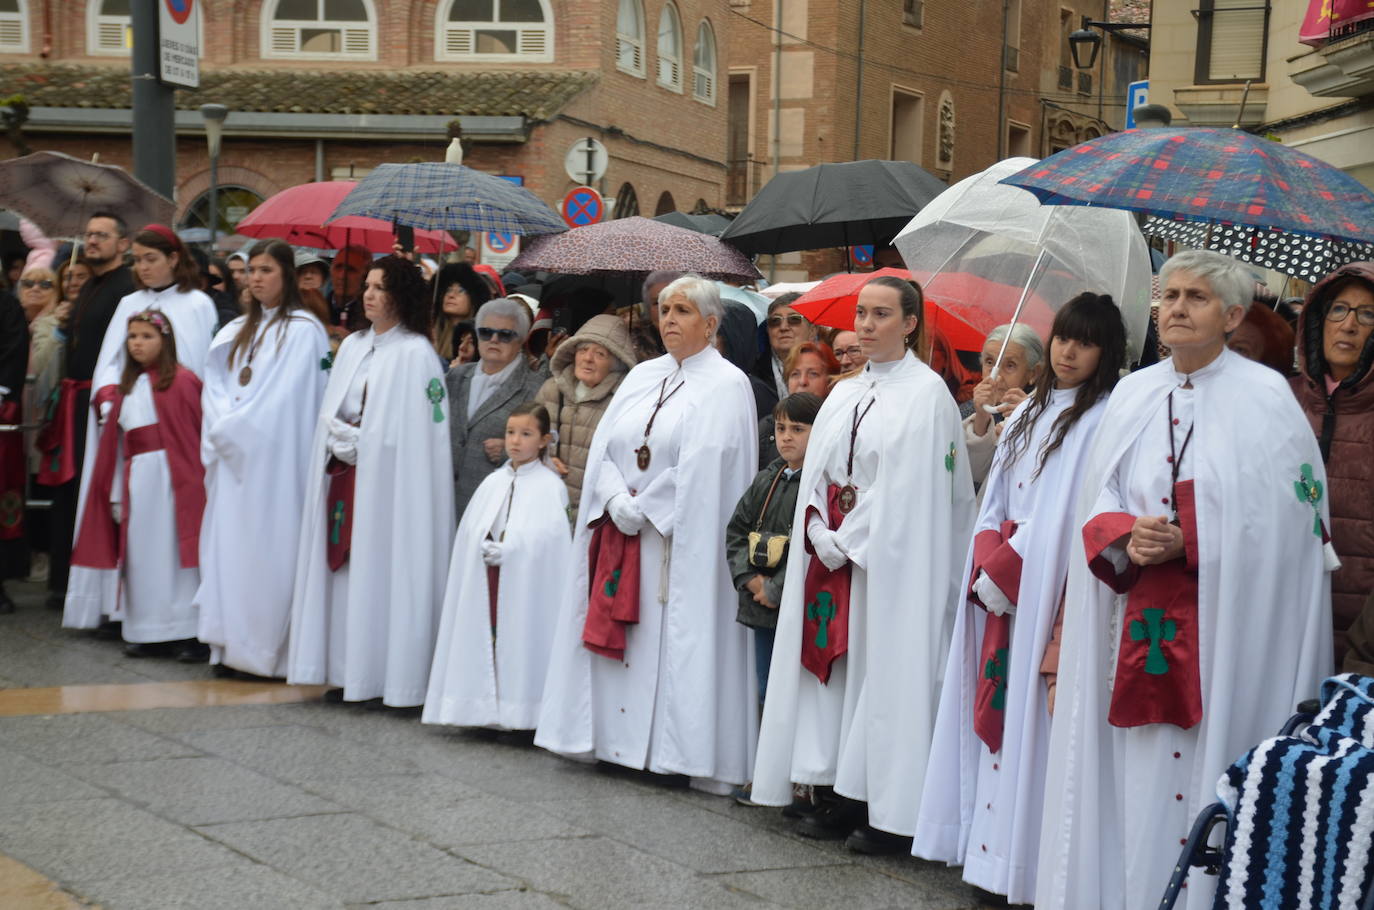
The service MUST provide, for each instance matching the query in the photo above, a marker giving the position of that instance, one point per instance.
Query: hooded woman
(587, 369)
(1336, 393)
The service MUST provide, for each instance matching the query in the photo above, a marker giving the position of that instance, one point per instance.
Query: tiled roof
(536, 94)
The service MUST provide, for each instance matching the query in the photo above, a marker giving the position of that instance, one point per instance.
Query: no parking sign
(499, 248)
(862, 255)
(582, 206)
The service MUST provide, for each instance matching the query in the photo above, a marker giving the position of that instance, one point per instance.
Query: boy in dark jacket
(756, 537)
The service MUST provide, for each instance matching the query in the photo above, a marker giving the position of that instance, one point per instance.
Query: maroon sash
(613, 589)
(825, 595)
(493, 592)
(11, 475)
(338, 514)
(994, 556)
(57, 440)
(1158, 680)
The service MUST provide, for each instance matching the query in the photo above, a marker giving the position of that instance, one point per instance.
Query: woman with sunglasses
(482, 394)
(1335, 387)
(786, 329)
(655, 675)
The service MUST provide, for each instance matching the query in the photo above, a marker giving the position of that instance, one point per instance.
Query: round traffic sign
(582, 206)
(500, 241)
(862, 255)
(180, 10)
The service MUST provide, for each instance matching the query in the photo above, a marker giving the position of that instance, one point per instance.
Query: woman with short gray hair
(483, 393)
(1016, 374)
(654, 674)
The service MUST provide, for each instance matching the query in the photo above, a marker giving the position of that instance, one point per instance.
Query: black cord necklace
(642, 454)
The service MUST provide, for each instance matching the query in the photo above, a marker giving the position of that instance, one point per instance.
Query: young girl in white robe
(146, 495)
(984, 786)
(512, 542)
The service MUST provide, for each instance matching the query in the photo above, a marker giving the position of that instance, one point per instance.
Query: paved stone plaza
(307, 804)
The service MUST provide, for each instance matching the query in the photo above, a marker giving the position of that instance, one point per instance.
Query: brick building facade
(321, 89)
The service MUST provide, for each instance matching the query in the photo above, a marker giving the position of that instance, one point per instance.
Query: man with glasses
(346, 275)
(106, 244)
(786, 329)
(1335, 387)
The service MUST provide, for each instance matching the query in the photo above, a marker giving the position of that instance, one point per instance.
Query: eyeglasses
(505, 336)
(27, 283)
(98, 235)
(1364, 315)
(853, 352)
(793, 320)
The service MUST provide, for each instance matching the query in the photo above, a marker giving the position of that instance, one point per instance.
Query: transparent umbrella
(978, 229)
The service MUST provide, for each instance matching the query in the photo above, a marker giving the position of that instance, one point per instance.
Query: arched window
(496, 30)
(234, 204)
(704, 64)
(626, 202)
(14, 27)
(107, 27)
(670, 48)
(318, 29)
(629, 38)
(665, 204)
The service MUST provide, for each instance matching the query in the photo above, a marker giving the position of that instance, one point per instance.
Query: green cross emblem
(612, 584)
(435, 393)
(996, 670)
(337, 526)
(327, 361)
(822, 610)
(1309, 490)
(1157, 629)
(950, 458)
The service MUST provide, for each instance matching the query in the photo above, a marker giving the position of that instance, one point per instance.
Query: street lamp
(214, 115)
(1085, 43)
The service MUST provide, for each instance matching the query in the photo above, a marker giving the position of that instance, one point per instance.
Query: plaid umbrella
(297, 215)
(1300, 255)
(634, 245)
(448, 197)
(1217, 176)
(58, 193)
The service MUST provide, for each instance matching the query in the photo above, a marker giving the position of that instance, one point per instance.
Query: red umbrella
(297, 215)
(961, 307)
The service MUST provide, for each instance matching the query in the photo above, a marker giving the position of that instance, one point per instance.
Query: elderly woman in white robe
(668, 462)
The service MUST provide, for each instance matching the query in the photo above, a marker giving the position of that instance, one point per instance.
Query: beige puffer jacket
(576, 420)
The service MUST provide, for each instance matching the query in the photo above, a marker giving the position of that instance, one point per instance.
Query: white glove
(826, 544)
(992, 597)
(626, 514)
(343, 441)
(491, 553)
(117, 512)
(103, 412)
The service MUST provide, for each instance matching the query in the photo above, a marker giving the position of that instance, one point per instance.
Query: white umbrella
(1000, 233)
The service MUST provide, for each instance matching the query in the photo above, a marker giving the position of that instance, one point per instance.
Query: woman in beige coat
(587, 369)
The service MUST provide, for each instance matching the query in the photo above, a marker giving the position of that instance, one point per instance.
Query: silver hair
(1025, 336)
(703, 293)
(1229, 280)
(654, 278)
(512, 309)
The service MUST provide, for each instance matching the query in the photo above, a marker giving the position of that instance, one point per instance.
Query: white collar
(1211, 369)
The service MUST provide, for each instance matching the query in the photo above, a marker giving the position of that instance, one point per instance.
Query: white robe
(370, 627)
(156, 598)
(482, 678)
(867, 731)
(684, 699)
(983, 809)
(1119, 800)
(93, 593)
(255, 442)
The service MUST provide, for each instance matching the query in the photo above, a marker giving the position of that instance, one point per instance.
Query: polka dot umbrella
(1299, 255)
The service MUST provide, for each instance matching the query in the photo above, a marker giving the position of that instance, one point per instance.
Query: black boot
(190, 651)
(835, 816)
(869, 840)
(147, 649)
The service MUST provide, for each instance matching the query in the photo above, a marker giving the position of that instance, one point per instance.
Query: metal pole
(214, 200)
(154, 131)
(859, 84)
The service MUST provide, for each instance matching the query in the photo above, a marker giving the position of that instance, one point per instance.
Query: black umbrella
(832, 205)
(703, 224)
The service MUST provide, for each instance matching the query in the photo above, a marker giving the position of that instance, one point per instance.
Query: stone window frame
(672, 58)
(704, 71)
(276, 33)
(630, 42)
(14, 29)
(535, 40)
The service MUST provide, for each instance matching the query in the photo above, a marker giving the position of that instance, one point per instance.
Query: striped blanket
(1302, 810)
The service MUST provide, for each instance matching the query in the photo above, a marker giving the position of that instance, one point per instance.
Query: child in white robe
(497, 627)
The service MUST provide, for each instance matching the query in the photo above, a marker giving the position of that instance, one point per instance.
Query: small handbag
(766, 549)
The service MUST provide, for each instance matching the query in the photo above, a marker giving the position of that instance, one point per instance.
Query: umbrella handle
(1016, 316)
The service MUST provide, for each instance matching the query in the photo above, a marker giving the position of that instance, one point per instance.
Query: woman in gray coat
(482, 394)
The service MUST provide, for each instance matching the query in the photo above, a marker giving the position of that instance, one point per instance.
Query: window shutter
(1237, 41)
(534, 41)
(11, 33)
(458, 42)
(357, 41)
(283, 40)
(111, 36)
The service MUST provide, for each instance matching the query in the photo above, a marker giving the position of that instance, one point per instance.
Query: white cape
(370, 627)
(255, 442)
(94, 593)
(700, 684)
(478, 681)
(997, 798)
(1118, 801)
(868, 730)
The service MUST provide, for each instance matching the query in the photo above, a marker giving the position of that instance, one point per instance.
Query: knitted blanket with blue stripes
(1302, 809)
